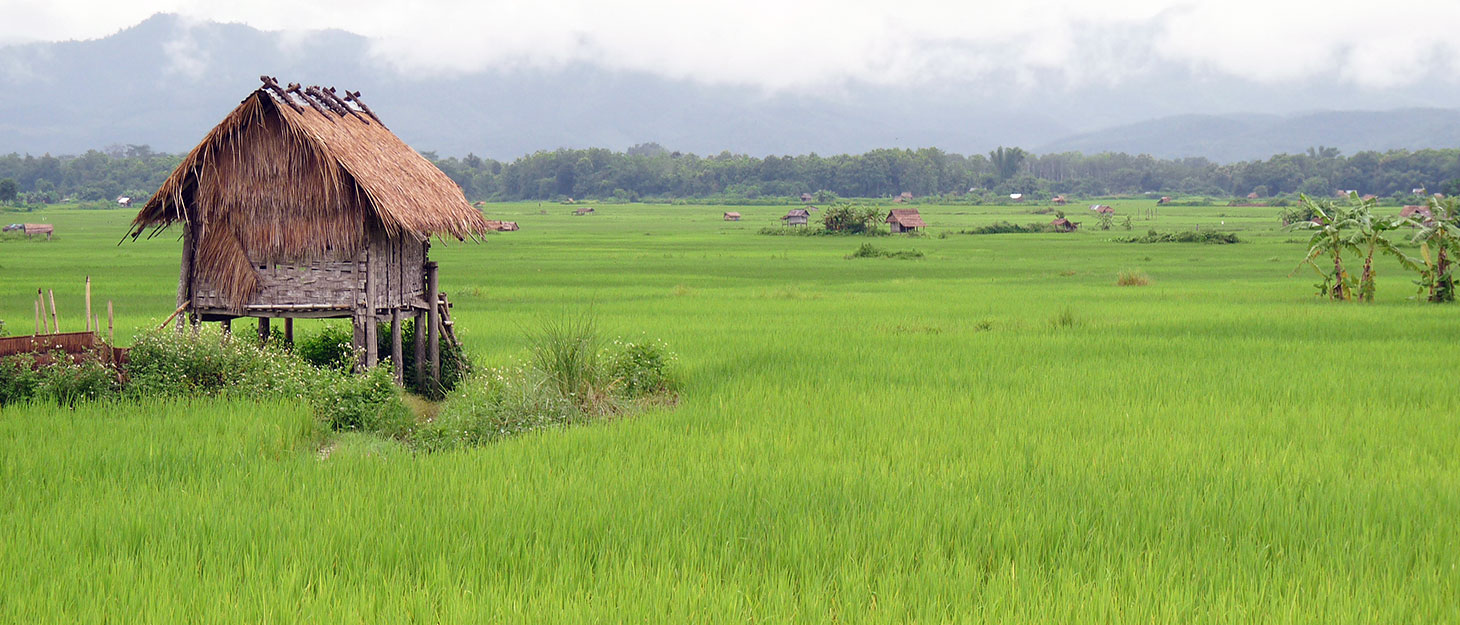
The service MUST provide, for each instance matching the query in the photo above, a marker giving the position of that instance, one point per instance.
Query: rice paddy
(995, 431)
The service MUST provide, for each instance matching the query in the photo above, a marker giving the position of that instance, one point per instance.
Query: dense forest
(651, 172)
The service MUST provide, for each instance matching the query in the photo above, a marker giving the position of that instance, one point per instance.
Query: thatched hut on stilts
(301, 204)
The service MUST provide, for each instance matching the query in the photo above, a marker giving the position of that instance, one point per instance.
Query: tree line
(652, 172)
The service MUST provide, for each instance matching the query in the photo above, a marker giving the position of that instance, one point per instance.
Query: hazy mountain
(166, 81)
(1226, 138)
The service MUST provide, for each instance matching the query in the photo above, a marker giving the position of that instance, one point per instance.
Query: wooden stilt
(227, 326)
(396, 359)
(289, 332)
(55, 322)
(185, 275)
(433, 322)
(263, 330)
(37, 317)
(111, 333)
(88, 304)
(357, 341)
(372, 340)
(418, 343)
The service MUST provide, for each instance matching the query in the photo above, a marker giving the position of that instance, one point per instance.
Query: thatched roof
(297, 175)
(906, 217)
(797, 212)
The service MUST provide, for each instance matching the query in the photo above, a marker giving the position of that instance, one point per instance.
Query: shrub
(331, 348)
(1004, 227)
(67, 382)
(167, 363)
(1211, 237)
(495, 404)
(639, 368)
(845, 217)
(867, 250)
(1128, 277)
(370, 402)
(18, 378)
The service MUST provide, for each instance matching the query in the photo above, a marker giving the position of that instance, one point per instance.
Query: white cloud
(815, 44)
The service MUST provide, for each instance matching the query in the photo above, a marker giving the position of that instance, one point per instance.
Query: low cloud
(781, 46)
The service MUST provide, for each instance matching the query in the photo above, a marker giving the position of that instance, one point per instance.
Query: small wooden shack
(732, 216)
(584, 210)
(34, 229)
(904, 220)
(797, 217)
(1060, 224)
(302, 204)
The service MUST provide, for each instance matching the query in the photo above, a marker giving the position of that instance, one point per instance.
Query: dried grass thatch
(276, 182)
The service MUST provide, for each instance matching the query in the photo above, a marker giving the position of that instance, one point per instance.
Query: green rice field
(994, 432)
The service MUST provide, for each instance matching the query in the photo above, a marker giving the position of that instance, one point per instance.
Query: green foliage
(455, 365)
(496, 404)
(565, 352)
(165, 363)
(8, 190)
(68, 381)
(568, 379)
(61, 380)
(849, 218)
(639, 368)
(867, 250)
(369, 402)
(1439, 240)
(18, 378)
(1004, 227)
(1211, 237)
(329, 348)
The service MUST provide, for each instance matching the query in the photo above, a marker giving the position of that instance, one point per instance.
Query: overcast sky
(790, 45)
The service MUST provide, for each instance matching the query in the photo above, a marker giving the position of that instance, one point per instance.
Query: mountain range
(166, 81)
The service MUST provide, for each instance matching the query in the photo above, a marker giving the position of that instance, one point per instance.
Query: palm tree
(1330, 238)
(1438, 234)
(1369, 237)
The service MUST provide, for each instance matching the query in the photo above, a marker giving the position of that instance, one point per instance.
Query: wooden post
(418, 340)
(396, 358)
(38, 317)
(111, 333)
(433, 322)
(289, 332)
(263, 330)
(185, 276)
(357, 340)
(88, 304)
(55, 322)
(227, 326)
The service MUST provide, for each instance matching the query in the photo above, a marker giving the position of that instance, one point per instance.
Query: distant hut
(1059, 200)
(811, 209)
(796, 217)
(1017, 197)
(1165, 199)
(1369, 196)
(502, 226)
(583, 210)
(731, 216)
(1060, 224)
(806, 197)
(1252, 196)
(302, 204)
(1421, 213)
(123, 200)
(31, 230)
(904, 220)
(1103, 209)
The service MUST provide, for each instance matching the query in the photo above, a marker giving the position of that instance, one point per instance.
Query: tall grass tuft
(566, 353)
(1131, 277)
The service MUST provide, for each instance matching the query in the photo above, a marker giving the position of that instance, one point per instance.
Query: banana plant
(1331, 226)
(1438, 236)
(1369, 237)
